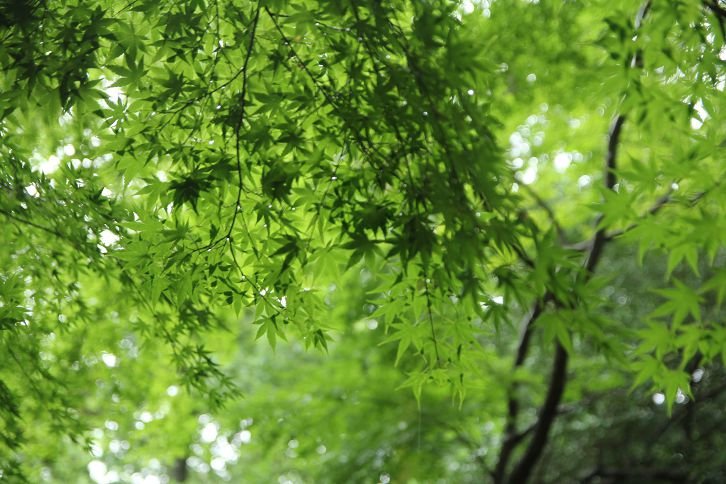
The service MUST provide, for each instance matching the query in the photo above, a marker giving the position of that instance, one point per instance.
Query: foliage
(391, 186)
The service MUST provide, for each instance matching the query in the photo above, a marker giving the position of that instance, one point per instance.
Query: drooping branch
(558, 378)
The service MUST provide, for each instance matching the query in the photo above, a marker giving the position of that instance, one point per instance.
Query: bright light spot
(218, 464)
(96, 450)
(97, 471)
(172, 391)
(95, 141)
(283, 301)
(498, 299)
(115, 94)
(209, 432)
(244, 437)
(32, 190)
(106, 193)
(108, 238)
(372, 324)
(702, 115)
(146, 417)
(658, 398)
(531, 78)
(139, 425)
(114, 446)
(69, 150)
(517, 163)
(698, 375)
(384, 478)
(293, 444)
(470, 92)
(111, 425)
(321, 449)
(50, 165)
(246, 422)
(198, 465)
(109, 359)
(562, 161)
(226, 451)
(680, 396)
(674, 186)
(529, 175)
(518, 145)
(583, 181)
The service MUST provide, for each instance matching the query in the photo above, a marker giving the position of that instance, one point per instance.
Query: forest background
(478, 241)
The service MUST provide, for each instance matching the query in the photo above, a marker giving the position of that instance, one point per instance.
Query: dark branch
(240, 120)
(30, 223)
(599, 239)
(542, 203)
(547, 415)
(558, 378)
(718, 10)
(720, 13)
(511, 436)
(617, 475)
(659, 204)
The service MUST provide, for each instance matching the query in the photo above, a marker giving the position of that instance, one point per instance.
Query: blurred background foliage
(293, 241)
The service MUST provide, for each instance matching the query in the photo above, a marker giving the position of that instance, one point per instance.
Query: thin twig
(431, 319)
(240, 120)
(542, 203)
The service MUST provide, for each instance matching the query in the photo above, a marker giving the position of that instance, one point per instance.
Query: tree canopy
(480, 241)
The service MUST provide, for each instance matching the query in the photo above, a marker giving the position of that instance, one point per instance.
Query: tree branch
(556, 388)
(240, 120)
(659, 204)
(511, 436)
(542, 203)
(617, 475)
(558, 378)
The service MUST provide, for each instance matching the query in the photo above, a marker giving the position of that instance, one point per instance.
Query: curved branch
(558, 379)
